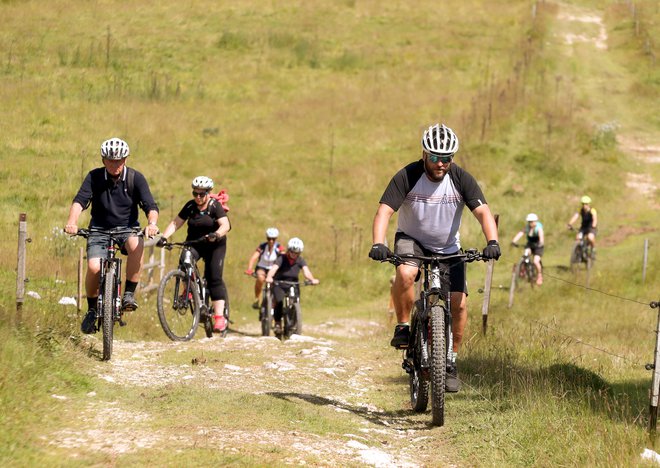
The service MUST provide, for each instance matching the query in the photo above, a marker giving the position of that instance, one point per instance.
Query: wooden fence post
(487, 287)
(20, 268)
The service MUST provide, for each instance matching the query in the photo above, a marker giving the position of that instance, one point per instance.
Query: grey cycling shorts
(406, 245)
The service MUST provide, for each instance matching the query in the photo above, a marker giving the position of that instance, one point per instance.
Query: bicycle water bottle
(187, 257)
(435, 278)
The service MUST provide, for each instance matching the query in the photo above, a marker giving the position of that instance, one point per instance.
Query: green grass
(303, 111)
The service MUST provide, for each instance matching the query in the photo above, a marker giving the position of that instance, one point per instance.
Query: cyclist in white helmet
(588, 224)
(264, 258)
(430, 195)
(206, 219)
(535, 241)
(115, 192)
(287, 267)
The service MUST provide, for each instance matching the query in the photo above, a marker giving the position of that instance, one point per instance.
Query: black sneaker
(401, 337)
(255, 304)
(88, 325)
(278, 328)
(128, 302)
(452, 384)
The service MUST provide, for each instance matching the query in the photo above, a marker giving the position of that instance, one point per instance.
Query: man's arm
(594, 220)
(152, 223)
(381, 221)
(487, 221)
(72, 222)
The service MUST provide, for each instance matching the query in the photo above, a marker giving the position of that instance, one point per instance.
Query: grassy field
(303, 111)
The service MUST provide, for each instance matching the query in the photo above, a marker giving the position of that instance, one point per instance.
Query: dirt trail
(305, 368)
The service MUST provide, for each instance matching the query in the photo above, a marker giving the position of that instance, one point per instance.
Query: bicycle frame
(430, 346)
(108, 309)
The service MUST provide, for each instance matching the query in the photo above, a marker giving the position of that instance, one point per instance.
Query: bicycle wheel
(289, 316)
(438, 364)
(266, 315)
(576, 256)
(178, 314)
(417, 380)
(206, 316)
(109, 300)
(530, 272)
(298, 325)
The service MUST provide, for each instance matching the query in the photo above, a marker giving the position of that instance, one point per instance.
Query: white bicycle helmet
(115, 149)
(202, 183)
(440, 141)
(295, 245)
(272, 233)
(585, 199)
(531, 217)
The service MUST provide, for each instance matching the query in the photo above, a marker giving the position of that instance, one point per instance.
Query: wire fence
(655, 366)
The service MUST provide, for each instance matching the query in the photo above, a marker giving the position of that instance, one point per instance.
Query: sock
(130, 286)
(91, 302)
(407, 324)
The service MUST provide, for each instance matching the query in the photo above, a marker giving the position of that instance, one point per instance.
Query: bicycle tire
(225, 312)
(289, 322)
(438, 364)
(207, 317)
(178, 324)
(266, 315)
(418, 382)
(109, 301)
(576, 256)
(299, 323)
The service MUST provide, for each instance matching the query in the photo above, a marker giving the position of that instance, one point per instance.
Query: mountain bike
(183, 298)
(291, 310)
(523, 271)
(582, 254)
(427, 355)
(108, 308)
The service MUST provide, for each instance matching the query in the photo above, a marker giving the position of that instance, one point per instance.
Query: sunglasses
(199, 194)
(271, 238)
(443, 159)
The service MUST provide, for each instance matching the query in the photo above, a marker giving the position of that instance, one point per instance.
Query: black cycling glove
(212, 237)
(492, 250)
(161, 242)
(379, 252)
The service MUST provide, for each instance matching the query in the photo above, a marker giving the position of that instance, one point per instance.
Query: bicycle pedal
(122, 323)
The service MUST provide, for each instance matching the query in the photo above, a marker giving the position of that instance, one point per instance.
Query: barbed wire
(650, 303)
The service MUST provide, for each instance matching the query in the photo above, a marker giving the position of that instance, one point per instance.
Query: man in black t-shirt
(115, 192)
(430, 195)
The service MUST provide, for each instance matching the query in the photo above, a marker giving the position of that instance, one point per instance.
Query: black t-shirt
(288, 271)
(112, 204)
(201, 223)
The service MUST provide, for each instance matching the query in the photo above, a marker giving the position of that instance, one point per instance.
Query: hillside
(303, 111)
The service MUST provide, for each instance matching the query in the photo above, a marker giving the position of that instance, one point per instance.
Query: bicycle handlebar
(171, 245)
(470, 255)
(82, 232)
(292, 283)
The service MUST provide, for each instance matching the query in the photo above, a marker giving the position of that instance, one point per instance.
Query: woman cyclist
(206, 219)
(535, 241)
(589, 223)
(264, 258)
(287, 267)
